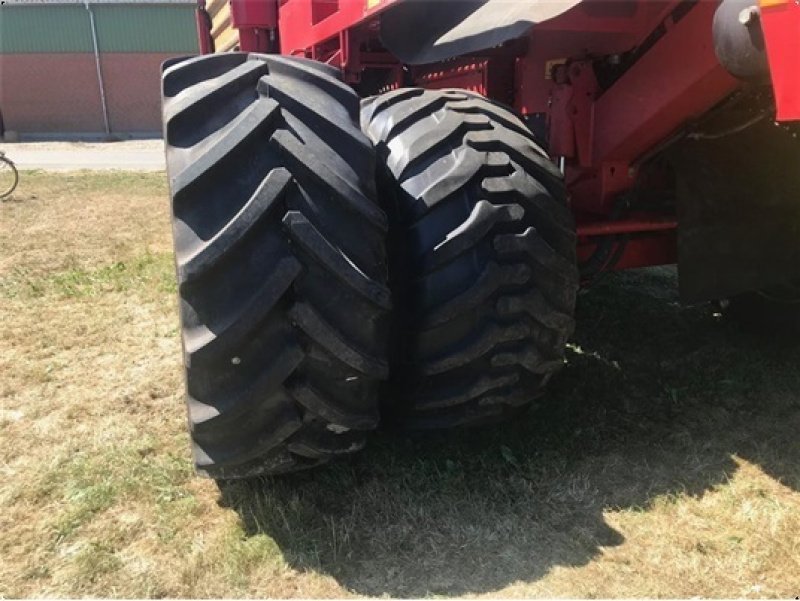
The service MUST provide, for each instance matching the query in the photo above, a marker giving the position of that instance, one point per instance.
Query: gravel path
(130, 155)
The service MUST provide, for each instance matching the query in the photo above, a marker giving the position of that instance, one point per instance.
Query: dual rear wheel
(303, 287)
(482, 257)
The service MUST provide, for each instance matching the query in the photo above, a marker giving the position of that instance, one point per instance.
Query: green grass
(36, 183)
(664, 461)
(647, 414)
(85, 486)
(154, 273)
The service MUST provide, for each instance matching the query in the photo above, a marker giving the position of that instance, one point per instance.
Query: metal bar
(100, 81)
(299, 32)
(659, 249)
(781, 24)
(678, 79)
(203, 21)
(629, 226)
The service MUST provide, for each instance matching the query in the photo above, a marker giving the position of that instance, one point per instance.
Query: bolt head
(748, 15)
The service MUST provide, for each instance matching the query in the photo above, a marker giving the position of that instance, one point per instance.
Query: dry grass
(666, 461)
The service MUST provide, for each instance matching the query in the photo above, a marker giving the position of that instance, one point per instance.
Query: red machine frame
(601, 135)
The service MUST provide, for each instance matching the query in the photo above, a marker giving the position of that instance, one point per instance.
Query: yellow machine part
(225, 36)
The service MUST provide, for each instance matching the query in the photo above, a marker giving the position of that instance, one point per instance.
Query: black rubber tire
(281, 261)
(482, 257)
(9, 178)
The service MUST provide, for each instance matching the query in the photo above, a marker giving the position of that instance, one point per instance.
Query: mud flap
(738, 211)
(427, 31)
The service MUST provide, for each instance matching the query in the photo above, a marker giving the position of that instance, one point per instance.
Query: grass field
(665, 461)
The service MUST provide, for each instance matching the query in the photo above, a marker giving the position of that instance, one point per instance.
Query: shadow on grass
(655, 400)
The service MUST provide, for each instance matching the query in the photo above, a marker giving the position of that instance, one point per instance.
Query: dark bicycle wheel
(9, 177)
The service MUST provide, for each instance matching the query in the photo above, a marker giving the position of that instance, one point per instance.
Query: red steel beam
(299, 31)
(659, 249)
(256, 21)
(203, 22)
(780, 20)
(677, 80)
(628, 226)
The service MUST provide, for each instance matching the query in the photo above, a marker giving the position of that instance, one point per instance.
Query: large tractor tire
(280, 252)
(482, 257)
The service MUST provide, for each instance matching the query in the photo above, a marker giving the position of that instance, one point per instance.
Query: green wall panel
(153, 28)
(120, 28)
(44, 28)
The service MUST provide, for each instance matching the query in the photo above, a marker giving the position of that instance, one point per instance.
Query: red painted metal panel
(260, 14)
(256, 21)
(254, 39)
(203, 21)
(679, 79)
(299, 31)
(470, 76)
(602, 132)
(598, 28)
(781, 25)
(493, 77)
